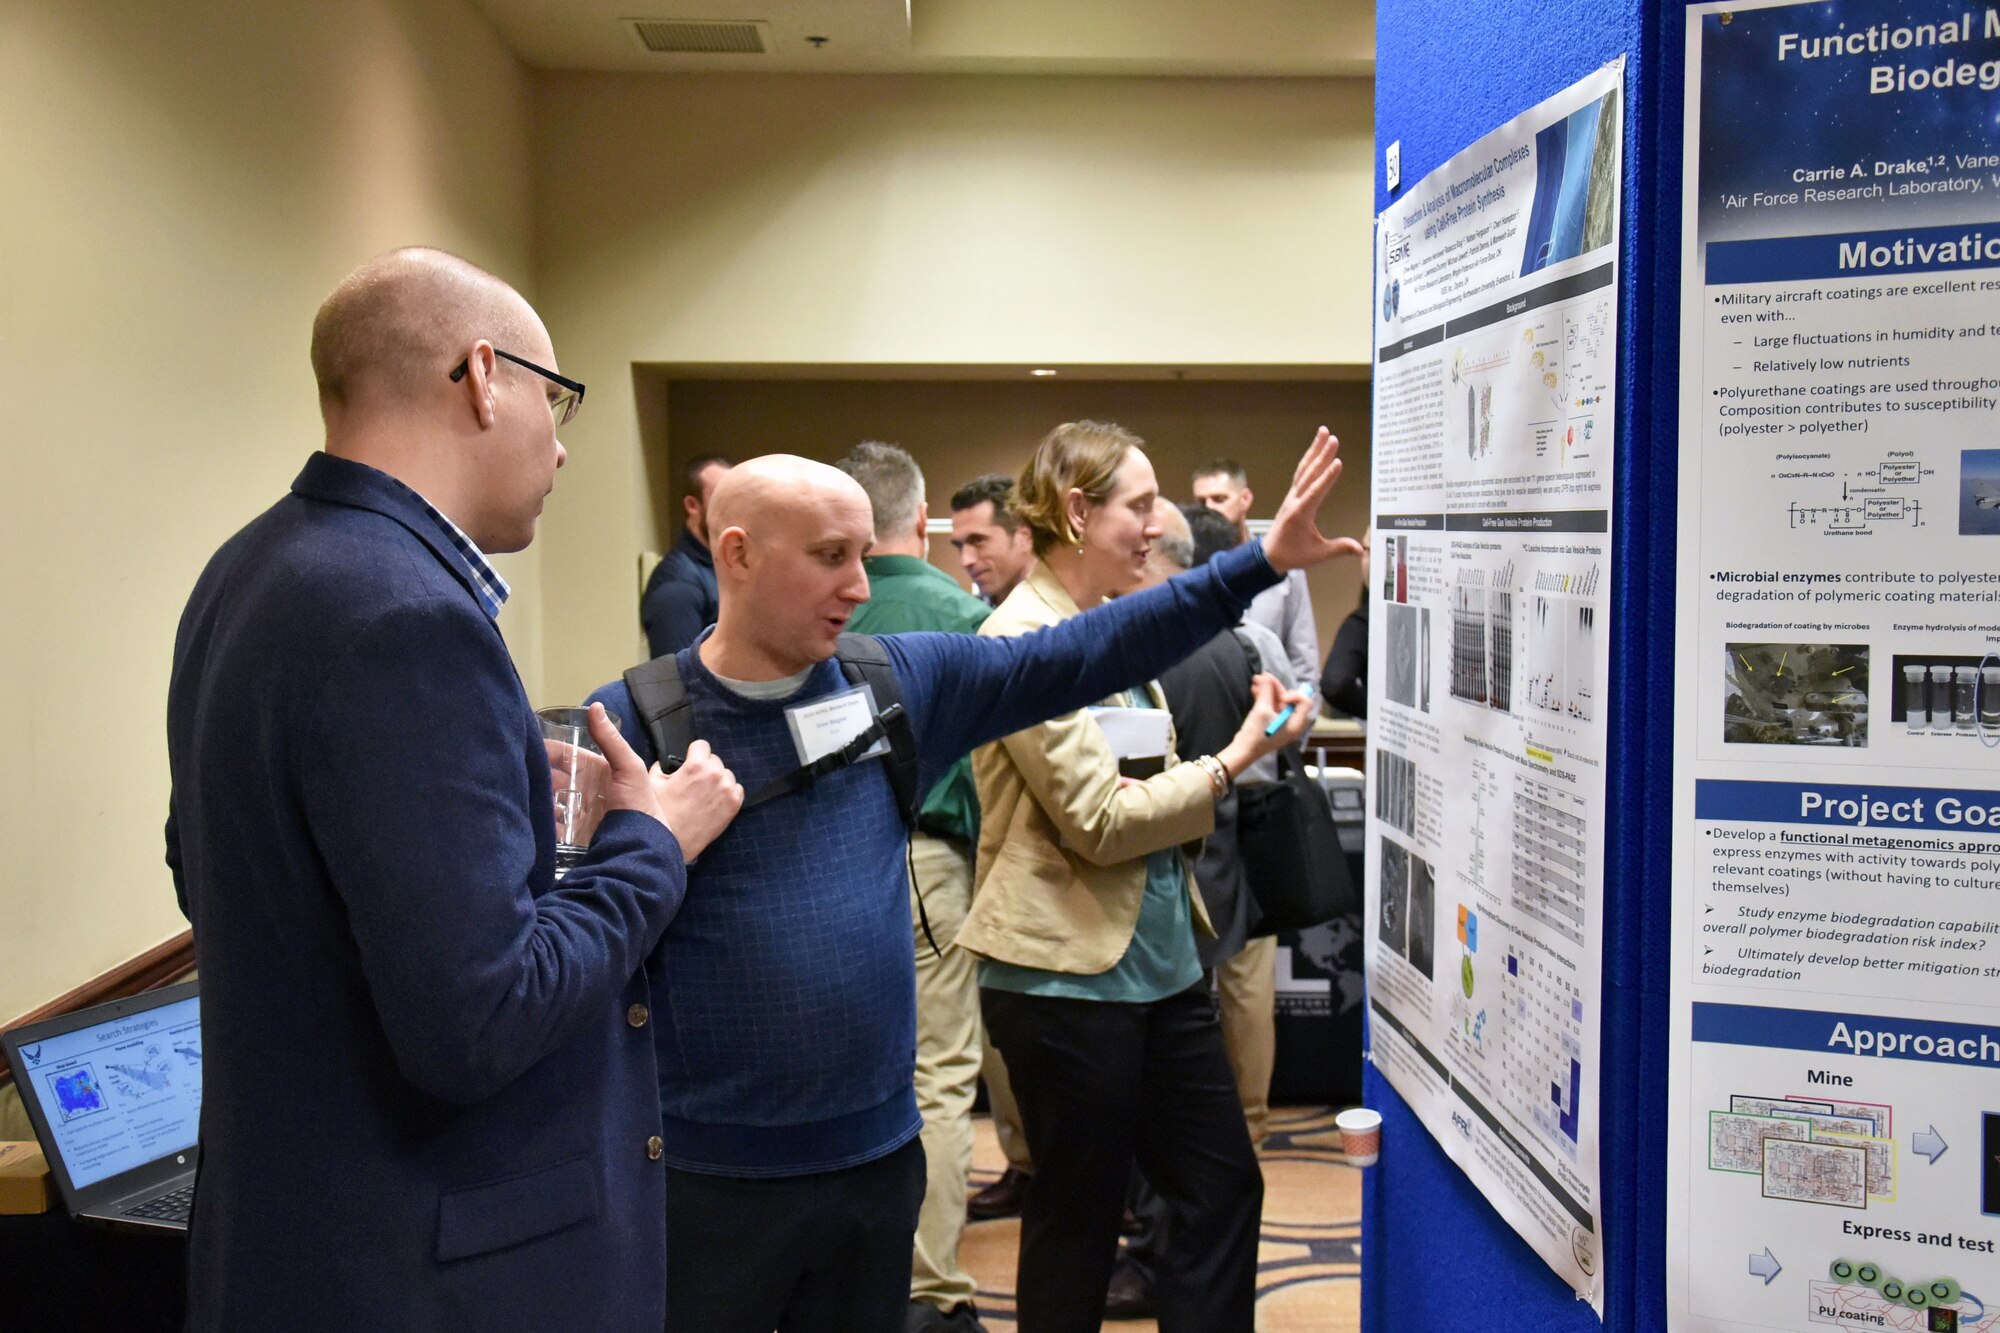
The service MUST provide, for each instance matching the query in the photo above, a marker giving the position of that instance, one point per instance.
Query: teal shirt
(905, 595)
(1161, 959)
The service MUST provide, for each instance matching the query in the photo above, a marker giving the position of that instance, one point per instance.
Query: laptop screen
(122, 1093)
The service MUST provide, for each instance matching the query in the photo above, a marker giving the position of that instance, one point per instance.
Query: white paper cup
(1360, 1135)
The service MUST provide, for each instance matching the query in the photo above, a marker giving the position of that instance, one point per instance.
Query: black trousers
(1101, 1085)
(827, 1253)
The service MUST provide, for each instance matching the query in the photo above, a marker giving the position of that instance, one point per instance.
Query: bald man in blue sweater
(783, 990)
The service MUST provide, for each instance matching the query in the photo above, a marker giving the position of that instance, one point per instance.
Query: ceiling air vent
(742, 37)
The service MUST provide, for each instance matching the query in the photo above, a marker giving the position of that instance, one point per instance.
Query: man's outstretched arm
(963, 693)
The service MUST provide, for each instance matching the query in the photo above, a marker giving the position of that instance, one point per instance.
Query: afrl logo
(1464, 1125)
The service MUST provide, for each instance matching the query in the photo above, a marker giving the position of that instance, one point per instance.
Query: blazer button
(637, 1015)
(655, 1148)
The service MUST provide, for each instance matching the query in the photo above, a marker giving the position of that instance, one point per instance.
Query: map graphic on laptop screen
(123, 1093)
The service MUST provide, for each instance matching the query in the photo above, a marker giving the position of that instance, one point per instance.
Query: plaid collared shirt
(487, 585)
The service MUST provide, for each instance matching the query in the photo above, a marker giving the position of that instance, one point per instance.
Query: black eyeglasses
(563, 407)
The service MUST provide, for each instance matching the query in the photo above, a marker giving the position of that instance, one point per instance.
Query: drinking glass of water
(579, 774)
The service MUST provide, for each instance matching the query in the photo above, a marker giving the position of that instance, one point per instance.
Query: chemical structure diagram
(1859, 516)
(1868, 500)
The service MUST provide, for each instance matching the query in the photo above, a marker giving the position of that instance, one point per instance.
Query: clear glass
(579, 778)
(1940, 698)
(1916, 699)
(1964, 688)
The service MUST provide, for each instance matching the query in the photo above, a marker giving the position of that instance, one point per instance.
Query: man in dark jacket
(430, 1094)
(680, 597)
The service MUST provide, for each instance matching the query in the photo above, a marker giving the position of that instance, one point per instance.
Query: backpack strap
(806, 775)
(863, 660)
(665, 710)
(661, 698)
(667, 713)
(1249, 651)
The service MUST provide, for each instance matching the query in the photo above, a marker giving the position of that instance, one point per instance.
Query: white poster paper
(1834, 1068)
(1495, 376)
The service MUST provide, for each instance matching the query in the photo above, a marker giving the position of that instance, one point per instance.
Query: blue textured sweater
(784, 992)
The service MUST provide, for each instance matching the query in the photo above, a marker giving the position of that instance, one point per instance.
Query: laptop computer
(115, 1096)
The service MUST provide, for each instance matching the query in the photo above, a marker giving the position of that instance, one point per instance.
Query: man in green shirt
(907, 592)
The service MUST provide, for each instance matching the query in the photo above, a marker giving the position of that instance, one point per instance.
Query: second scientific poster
(1495, 377)
(1834, 1067)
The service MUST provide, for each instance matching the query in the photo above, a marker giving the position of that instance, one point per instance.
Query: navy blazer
(429, 1096)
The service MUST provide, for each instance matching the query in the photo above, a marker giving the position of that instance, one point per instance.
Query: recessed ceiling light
(1041, 374)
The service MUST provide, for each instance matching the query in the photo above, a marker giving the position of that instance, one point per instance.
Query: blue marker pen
(1284, 716)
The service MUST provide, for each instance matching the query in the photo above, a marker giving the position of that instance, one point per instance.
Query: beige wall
(956, 221)
(187, 181)
(959, 429)
(184, 184)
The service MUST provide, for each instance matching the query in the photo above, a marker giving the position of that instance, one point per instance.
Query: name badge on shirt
(825, 725)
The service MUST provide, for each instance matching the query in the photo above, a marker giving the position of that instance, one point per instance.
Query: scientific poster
(1495, 375)
(1834, 1072)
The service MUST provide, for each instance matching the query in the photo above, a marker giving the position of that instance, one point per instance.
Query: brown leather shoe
(1000, 1199)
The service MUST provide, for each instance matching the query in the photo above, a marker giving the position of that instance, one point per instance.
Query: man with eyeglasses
(429, 1088)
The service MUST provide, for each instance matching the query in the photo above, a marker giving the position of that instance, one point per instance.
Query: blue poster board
(1436, 1255)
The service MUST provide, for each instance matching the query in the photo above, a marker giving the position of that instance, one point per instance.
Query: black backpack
(661, 697)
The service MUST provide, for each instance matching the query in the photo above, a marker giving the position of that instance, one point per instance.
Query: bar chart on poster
(1834, 1061)
(1494, 432)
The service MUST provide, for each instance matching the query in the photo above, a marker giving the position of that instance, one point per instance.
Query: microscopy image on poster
(1492, 455)
(1795, 694)
(1392, 901)
(1396, 791)
(1422, 935)
(1403, 627)
(1836, 791)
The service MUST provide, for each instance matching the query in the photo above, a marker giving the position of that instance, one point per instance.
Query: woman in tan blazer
(1084, 916)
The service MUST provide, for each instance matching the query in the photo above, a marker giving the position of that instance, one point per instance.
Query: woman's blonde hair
(1077, 455)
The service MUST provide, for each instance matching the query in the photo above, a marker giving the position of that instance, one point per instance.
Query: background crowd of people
(719, 1074)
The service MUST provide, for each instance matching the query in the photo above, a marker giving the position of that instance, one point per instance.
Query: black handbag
(1291, 851)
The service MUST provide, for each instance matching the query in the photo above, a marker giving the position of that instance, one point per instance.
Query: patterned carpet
(1309, 1269)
